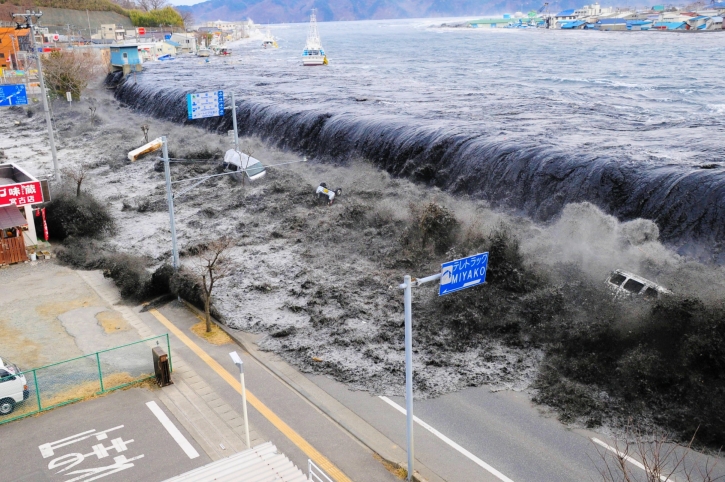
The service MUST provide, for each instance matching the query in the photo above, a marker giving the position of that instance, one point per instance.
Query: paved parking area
(127, 435)
(49, 313)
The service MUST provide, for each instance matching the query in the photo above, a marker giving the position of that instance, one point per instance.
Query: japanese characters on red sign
(21, 194)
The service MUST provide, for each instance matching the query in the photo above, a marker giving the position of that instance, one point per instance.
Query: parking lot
(127, 435)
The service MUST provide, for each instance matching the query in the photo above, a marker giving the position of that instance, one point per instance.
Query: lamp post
(240, 364)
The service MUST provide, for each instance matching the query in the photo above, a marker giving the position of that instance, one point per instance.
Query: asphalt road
(354, 459)
(116, 437)
(502, 430)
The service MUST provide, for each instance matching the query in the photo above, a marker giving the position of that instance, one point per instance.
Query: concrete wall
(56, 19)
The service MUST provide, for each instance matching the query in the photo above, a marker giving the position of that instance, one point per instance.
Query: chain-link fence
(24, 393)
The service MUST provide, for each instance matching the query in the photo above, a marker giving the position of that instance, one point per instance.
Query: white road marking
(173, 431)
(450, 442)
(629, 459)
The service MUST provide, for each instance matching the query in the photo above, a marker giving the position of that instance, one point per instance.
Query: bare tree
(657, 456)
(213, 265)
(127, 4)
(157, 4)
(144, 5)
(76, 172)
(187, 17)
(70, 71)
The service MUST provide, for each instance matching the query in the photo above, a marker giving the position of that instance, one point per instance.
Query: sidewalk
(336, 411)
(212, 422)
(279, 413)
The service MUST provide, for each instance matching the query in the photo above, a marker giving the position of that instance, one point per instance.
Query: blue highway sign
(460, 274)
(13, 94)
(167, 36)
(205, 104)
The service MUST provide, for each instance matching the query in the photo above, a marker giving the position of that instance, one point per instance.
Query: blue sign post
(167, 36)
(463, 273)
(455, 275)
(205, 104)
(13, 94)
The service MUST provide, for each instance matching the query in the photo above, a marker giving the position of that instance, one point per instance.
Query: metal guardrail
(316, 474)
(72, 380)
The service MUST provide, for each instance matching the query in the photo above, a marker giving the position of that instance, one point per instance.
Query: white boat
(269, 41)
(313, 54)
(203, 52)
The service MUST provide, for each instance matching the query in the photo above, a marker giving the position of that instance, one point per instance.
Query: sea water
(530, 119)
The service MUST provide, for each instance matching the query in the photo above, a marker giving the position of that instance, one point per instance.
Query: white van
(239, 161)
(13, 387)
(625, 283)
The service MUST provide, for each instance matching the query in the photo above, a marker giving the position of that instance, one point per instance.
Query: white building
(593, 10)
(222, 25)
(186, 41)
(110, 31)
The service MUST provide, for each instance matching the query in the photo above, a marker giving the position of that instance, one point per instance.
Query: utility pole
(234, 123)
(30, 25)
(14, 39)
(170, 202)
(90, 34)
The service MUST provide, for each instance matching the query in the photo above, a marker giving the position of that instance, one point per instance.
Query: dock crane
(545, 11)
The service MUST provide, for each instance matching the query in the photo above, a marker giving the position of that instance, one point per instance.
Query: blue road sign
(167, 36)
(13, 94)
(205, 104)
(460, 274)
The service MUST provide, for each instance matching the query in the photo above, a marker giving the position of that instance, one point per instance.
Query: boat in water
(223, 51)
(313, 54)
(203, 52)
(269, 41)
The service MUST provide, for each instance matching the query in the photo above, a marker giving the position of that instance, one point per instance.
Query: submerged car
(629, 284)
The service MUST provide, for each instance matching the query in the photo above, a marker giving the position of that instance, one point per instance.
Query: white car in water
(628, 284)
(243, 163)
(13, 387)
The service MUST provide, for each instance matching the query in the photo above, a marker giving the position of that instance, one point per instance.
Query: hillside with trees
(143, 13)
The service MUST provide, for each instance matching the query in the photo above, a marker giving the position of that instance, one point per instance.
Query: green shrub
(186, 285)
(156, 18)
(77, 216)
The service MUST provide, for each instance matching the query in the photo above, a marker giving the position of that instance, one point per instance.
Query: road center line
(629, 459)
(173, 431)
(294, 437)
(450, 442)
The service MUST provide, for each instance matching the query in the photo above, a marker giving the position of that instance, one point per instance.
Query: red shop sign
(21, 194)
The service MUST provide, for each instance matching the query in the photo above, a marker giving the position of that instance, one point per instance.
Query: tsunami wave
(533, 178)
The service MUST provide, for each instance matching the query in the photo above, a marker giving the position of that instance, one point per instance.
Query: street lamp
(240, 364)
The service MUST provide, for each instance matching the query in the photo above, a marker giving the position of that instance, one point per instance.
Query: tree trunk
(78, 189)
(207, 310)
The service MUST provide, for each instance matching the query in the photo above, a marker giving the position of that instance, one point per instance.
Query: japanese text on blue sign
(13, 94)
(205, 104)
(463, 273)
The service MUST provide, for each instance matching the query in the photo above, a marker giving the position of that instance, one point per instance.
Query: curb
(377, 448)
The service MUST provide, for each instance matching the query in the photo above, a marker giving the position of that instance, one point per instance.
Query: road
(501, 429)
(325, 436)
(475, 434)
(124, 436)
